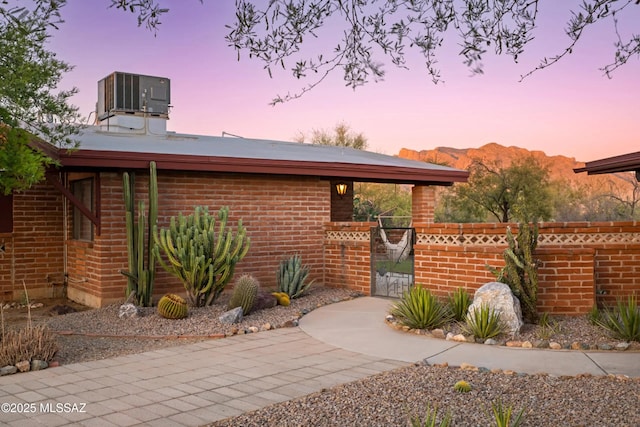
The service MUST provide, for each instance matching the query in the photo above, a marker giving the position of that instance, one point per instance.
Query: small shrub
(459, 302)
(548, 326)
(623, 321)
(292, 277)
(594, 316)
(430, 419)
(419, 309)
(484, 322)
(502, 415)
(462, 387)
(29, 343)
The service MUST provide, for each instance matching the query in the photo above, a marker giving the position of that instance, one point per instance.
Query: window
(83, 191)
(6, 213)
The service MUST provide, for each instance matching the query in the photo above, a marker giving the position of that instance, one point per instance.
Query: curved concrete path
(358, 325)
(195, 384)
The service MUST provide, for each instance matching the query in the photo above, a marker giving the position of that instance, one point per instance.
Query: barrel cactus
(172, 306)
(244, 294)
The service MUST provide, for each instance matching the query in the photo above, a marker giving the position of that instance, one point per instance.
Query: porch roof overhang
(102, 150)
(623, 163)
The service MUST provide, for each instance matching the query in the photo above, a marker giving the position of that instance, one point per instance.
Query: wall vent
(125, 93)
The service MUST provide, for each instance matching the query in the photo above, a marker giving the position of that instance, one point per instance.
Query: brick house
(70, 230)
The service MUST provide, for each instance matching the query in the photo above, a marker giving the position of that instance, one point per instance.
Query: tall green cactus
(202, 259)
(140, 277)
(521, 268)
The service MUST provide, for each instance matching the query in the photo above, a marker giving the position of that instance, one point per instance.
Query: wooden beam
(95, 220)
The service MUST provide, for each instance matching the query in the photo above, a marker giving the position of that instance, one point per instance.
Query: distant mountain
(560, 167)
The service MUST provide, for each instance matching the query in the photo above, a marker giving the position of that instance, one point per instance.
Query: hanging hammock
(397, 252)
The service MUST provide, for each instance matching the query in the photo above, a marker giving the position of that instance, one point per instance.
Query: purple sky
(569, 109)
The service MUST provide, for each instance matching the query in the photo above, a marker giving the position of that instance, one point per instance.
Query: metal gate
(392, 260)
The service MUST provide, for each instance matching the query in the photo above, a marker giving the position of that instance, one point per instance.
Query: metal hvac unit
(133, 93)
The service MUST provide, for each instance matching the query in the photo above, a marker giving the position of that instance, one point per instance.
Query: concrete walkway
(195, 384)
(358, 325)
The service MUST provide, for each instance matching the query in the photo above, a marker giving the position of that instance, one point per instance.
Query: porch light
(341, 188)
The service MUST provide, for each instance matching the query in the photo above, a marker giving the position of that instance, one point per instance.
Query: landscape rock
(622, 346)
(555, 346)
(128, 311)
(23, 366)
(37, 365)
(232, 316)
(500, 298)
(8, 370)
(490, 341)
(438, 333)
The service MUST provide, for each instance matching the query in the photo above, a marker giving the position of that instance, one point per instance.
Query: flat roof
(624, 163)
(175, 151)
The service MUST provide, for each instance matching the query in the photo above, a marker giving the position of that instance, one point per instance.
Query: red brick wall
(581, 263)
(283, 216)
(33, 252)
(347, 256)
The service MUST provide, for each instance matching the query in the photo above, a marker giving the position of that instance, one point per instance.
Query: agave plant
(419, 309)
(459, 302)
(623, 321)
(484, 322)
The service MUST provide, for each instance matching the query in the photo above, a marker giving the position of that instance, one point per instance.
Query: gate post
(423, 200)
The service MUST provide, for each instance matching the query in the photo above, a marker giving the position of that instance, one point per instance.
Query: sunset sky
(570, 109)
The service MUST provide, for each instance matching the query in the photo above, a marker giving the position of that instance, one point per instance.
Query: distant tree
(275, 33)
(342, 136)
(523, 186)
(29, 101)
(372, 200)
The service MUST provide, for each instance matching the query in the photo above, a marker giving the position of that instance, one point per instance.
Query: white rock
(500, 298)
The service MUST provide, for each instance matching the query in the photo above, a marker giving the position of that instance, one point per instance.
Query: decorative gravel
(391, 398)
(387, 399)
(101, 333)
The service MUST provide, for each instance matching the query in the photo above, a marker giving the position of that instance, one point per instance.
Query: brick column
(423, 204)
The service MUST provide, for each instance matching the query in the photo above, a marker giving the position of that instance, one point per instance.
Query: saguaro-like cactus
(521, 268)
(140, 277)
(202, 259)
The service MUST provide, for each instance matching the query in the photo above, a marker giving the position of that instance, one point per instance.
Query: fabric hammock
(397, 252)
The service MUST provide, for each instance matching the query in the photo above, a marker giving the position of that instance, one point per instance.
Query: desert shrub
(502, 415)
(484, 322)
(594, 315)
(623, 321)
(430, 419)
(458, 303)
(419, 309)
(28, 343)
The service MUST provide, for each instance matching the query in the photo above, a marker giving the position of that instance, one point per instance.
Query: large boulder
(500, 298)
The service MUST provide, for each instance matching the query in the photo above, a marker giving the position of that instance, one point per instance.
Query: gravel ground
(388, 399)
(101, 334)
(391, 398)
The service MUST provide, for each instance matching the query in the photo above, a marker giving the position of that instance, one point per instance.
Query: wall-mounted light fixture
(341, 188)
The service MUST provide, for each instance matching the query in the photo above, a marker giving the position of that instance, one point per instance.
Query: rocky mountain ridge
(560, 167)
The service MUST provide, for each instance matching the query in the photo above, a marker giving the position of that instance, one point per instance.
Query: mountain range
(560, 167)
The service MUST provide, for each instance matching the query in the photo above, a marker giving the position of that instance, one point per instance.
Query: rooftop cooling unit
(133, 93)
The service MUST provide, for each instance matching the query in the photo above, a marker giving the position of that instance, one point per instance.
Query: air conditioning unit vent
(125, 93)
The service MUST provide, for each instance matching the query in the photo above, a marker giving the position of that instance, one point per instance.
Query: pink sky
(569, 109)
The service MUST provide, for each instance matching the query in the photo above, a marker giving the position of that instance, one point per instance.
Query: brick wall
(581, 264)
(347, 256)
(283, 216)
(33, 252)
